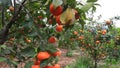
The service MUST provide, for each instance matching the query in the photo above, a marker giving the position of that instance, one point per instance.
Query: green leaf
(3, 46)
(0, 49)
(28, 64)
(28, 52)
(66, 16)
(93, 9)
(2, 59)
(96, 4)
(44, 63)
(47, 2)
(44, 1)
(91, 0)
(14, 62)
(51, 49)
(86, 7)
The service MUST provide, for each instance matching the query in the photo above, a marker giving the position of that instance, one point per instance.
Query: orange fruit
(97, 42)
(43, 55)
(58, 53)
(56, 66)
(81, 31)
(58, 20)
(28, 40)
(59, 28)
(82, 49)
(11, 8)
(81, 37)
(35, 66)
(39, 17)
(52, 39)
(75, 33)
(55, 11)
(104, 32)
(108, 22)
(12, 39)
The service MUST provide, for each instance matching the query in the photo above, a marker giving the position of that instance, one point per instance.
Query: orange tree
(32, 29)
(98, 41)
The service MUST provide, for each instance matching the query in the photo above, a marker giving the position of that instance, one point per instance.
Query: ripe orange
(11, 8)
(43, 55)
(59, 28)
(104, 32)
(35, 66)
(58, 20)
(52, 39)
(81, 31)
(81, 37)
(39, 17)
(108, 22)
(82, 49)
(28, 40)
(56, 66)
(97, 42)
(12, 39)
(58, 53)
(55, 11)
(75, 33)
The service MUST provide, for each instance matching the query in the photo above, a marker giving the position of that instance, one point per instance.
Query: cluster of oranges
(56, 12)
(46, 55)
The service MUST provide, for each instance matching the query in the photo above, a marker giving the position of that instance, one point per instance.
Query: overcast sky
(108, 9)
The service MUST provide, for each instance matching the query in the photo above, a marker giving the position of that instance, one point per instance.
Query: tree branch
(5, 30)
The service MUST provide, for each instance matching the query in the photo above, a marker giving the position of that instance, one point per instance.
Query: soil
(63, 60)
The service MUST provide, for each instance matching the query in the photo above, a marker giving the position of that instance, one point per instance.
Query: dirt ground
(63, 60)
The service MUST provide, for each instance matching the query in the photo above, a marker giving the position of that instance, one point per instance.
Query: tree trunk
(95, 64)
